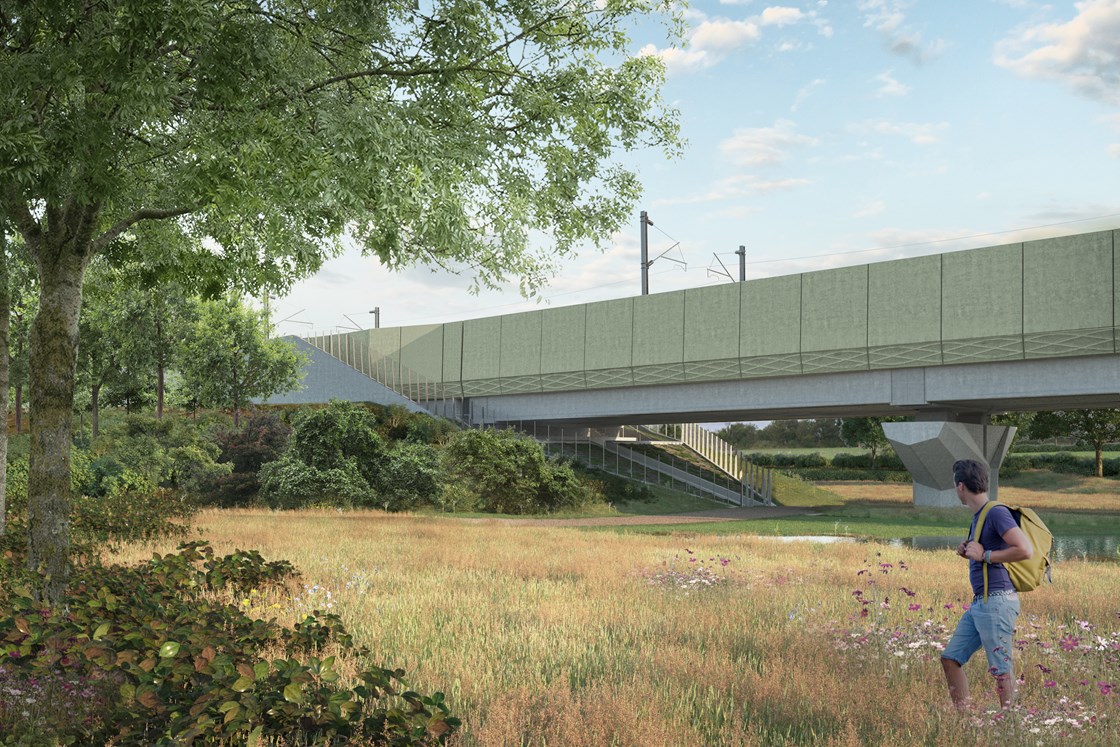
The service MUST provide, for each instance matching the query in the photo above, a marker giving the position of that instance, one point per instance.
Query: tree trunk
(5, 325)
(19, 409)
(1100, 459)
(160, 365)
(53, 344)
(95, 407)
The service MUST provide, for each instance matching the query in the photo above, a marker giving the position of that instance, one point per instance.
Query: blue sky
(823, 134)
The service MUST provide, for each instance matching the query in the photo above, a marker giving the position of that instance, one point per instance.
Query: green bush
(288, 483)
(173, 453)
(147, 655)
(410, 477)
(826, 474)
(614, 489)
(507, 472)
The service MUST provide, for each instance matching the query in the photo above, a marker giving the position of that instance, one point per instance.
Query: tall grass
(548, 636)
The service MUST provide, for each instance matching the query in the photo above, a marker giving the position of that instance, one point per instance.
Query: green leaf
(293, 693)
(242, 684)
(102, 629)
(254, 739)
(168, 650)
(229, 705)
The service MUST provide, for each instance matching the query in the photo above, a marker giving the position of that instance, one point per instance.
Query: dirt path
(698, 517)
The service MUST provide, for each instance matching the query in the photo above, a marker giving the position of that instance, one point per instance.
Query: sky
(824, 134)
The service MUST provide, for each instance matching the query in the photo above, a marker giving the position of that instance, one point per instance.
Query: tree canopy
(236, 142)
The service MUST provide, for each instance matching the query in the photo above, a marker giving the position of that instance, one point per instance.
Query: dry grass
(1058, 492)
(554, 636)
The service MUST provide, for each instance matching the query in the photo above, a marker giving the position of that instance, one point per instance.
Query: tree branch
(123, 225)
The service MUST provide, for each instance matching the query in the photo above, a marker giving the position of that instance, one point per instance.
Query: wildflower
(1050, 684)
(915, 607)
(907, 592)
(1105, 687)
(1069, 643)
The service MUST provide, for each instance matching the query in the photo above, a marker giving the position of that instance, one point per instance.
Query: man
(989, 623)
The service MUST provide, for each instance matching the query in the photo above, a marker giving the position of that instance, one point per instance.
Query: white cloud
(1114, 150)
(875, 207)
(890, 86)
(805, 92)
(780, 16)
(1082, 53)
(709, 42)
(723, 35)
(764, 146)
(984, 196)
(888, 18)
(920, 133)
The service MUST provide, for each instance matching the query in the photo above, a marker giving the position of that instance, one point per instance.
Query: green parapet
(904, 313)
(610, 334)
(563, 336)
(834, 310)
(482, 346)
(383, 353)
(659, 330)
(453, 359)
(770, 320)
(1068, 295)
(711, 323)
(521, 345)
(422, 352)
(982, 304)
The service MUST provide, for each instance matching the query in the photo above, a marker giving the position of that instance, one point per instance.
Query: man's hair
(973, 474)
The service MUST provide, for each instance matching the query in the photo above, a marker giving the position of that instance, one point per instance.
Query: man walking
(988, 623)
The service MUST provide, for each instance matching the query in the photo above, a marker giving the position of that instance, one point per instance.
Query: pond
(1066, 547)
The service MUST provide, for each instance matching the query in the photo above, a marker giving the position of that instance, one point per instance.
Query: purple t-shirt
(999, 520)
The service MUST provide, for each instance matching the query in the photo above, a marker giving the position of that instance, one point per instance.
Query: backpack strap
(976, 535)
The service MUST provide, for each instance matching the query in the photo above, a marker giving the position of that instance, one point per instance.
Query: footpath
(696, 517)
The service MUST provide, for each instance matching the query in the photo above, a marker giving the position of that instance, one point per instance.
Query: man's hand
(974, 551)
(961, 548)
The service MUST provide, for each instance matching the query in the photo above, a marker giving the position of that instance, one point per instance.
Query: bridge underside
(961, 393)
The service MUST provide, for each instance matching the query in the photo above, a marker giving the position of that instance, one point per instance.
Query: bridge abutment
(929, 448)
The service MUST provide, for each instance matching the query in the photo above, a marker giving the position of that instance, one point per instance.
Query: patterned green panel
(771, 317)
(601, 378)
(724, 369)
(422, 352)
(661, 373)
(384, 354)
(481, 387)
(521, 345)
(711, 322)
(1068, 283)
(982, 295)
(824, 361)
(1097, 341)
(453, 352)
(904, 356)
(610, 334)
(834, 310)
(521, 384)
(981, 349)
(562, 339)
(760, 366)
(564, 381)
(904, 303)
(658, 329)
(481, 349)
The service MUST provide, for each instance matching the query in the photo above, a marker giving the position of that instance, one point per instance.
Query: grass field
(551, 636)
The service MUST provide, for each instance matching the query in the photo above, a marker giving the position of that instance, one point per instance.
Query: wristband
(988, 557)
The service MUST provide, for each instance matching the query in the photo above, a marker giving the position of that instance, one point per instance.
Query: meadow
(558, 636)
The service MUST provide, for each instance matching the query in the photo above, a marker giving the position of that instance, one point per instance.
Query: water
(1066, 547)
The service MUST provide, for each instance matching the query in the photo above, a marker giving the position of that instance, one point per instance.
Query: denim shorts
(989, 624)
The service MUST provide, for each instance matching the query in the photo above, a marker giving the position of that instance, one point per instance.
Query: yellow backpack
(1026, 575)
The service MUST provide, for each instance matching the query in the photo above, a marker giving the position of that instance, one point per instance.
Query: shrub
(173, 453)
(825, 474)
(510, 473)
(262, 439)
(614, 489)
(288, 483)
(410, 477)
(161, 662)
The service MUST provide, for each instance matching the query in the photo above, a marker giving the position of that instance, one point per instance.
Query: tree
(228, 359)
(1094, 427)
(241, 139)
(866, 433)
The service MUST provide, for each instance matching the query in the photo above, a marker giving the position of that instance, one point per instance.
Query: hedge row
(1065, 463)
(888, 461)
(826, 474)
